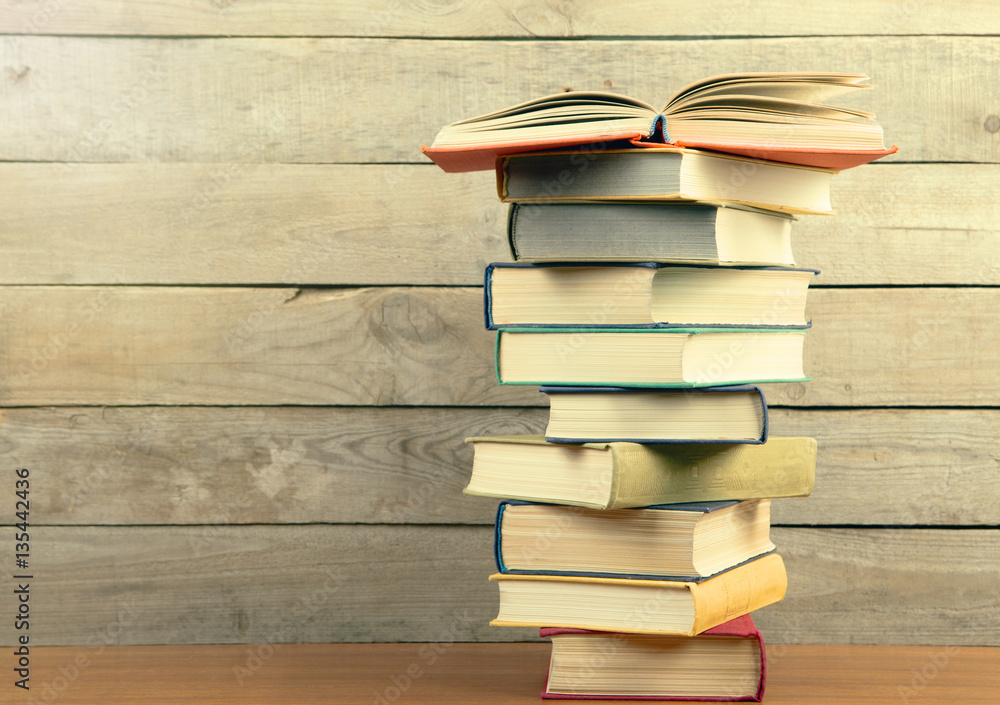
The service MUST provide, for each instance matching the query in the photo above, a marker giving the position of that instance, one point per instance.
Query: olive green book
(618, 475)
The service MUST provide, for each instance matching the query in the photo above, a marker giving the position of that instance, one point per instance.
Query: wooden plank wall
(240, 332)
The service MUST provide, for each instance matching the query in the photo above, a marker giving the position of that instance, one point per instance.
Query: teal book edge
(650, 331)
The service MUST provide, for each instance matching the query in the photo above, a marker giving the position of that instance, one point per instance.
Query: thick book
(724, 663)
(782, 117)
(648, 357)
(639, 606)
(662, 174)
(644, 295)
(693, 541)
(699, 233)
(734, 414)
(619, 475)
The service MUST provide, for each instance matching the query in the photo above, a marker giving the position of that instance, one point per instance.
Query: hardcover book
(691, 541)
(644, 295)
(735, 414)
(651, 357)
(639, 606)
(700, 233)
(782, 117)
(724, 663)
(619, 475)
(662, 174)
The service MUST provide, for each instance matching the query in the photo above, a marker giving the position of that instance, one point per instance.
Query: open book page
(776, 116)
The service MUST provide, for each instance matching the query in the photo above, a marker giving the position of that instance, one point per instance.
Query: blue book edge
(498, 547)
(741, 388)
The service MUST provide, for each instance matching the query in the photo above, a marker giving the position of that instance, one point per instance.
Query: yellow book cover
(639, 606)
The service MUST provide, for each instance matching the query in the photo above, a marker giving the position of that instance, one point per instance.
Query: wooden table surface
(445, 674)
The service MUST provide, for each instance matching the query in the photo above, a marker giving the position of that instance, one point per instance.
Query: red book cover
(739, 627)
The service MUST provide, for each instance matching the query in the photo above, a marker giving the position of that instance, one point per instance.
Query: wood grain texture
(108, 345)
(184, 465)
(407, 224)
(75, 99)
(247, 224)
(486, 18)
(196, 162)
(459, 674)
(902, 347)
(899, 581)
(929, 466)
(319, 583)
(190, 465)
(426, 346)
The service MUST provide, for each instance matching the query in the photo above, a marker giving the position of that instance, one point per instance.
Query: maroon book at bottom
(726, 663)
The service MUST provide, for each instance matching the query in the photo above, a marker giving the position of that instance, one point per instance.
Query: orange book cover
(483, 157)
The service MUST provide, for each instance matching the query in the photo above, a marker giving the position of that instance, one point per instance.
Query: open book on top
(781, 117)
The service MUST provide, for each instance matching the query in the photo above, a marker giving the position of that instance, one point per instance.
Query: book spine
(634, 466)
(488, 297)
(496, 358)
(501, 168)
(737, 592)
(763, 415)
(659, 125)
(645, 475)
(512, 214)
(623, 459)
(497, 544)
(759, 695)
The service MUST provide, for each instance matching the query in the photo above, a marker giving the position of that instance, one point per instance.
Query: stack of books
(653, 287)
